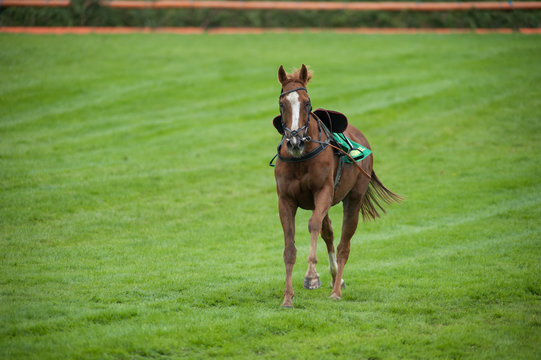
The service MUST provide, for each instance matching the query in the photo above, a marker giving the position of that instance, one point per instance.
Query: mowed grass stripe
(139, 216)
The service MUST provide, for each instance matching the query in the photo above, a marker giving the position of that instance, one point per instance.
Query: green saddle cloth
(356, 151)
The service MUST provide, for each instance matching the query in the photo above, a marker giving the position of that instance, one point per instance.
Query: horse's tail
(375, 193)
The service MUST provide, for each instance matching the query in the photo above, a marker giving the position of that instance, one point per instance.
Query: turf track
(139, 219)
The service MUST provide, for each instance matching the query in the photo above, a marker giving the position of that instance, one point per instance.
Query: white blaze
(293, 99)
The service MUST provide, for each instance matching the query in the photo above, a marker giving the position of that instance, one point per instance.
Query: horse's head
(295, 109)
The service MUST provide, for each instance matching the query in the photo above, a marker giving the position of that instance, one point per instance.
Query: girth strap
(341, 161)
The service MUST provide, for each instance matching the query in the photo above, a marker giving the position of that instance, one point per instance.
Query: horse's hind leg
(328, 235)
(349, 225)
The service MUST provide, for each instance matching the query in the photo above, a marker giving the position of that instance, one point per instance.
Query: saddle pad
(356, 151)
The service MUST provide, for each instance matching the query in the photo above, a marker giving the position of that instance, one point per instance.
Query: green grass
(139, 216)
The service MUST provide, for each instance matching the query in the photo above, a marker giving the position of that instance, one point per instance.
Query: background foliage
(89, 13)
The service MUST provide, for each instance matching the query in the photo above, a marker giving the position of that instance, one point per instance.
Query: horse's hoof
(311, 283)
(335, 297)
(287, 304)
(343, 285)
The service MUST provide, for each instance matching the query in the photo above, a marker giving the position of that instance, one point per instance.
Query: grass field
(139, 216)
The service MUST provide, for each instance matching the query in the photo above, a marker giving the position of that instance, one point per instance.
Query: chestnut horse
(305, 175)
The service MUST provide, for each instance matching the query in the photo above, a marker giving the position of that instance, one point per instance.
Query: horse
(306, 177)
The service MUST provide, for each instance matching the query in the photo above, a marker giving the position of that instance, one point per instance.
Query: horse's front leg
(322, 201)
(287, 212)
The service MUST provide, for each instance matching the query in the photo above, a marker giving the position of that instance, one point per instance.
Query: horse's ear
(303, 74)
(282, 76)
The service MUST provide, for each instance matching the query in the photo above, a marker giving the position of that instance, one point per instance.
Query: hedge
(89, 13)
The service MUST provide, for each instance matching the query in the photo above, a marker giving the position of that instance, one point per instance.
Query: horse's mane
(295, 76)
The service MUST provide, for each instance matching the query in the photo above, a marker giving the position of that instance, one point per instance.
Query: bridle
(288, 133)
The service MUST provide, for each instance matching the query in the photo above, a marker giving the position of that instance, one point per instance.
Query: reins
(327, 133)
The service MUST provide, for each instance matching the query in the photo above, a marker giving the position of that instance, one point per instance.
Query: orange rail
(40, 3)
(294, 5)
(323, 5)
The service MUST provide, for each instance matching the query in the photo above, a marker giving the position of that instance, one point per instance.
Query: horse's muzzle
(295, 146)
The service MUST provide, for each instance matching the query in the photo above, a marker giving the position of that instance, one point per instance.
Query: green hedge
(89, 13)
